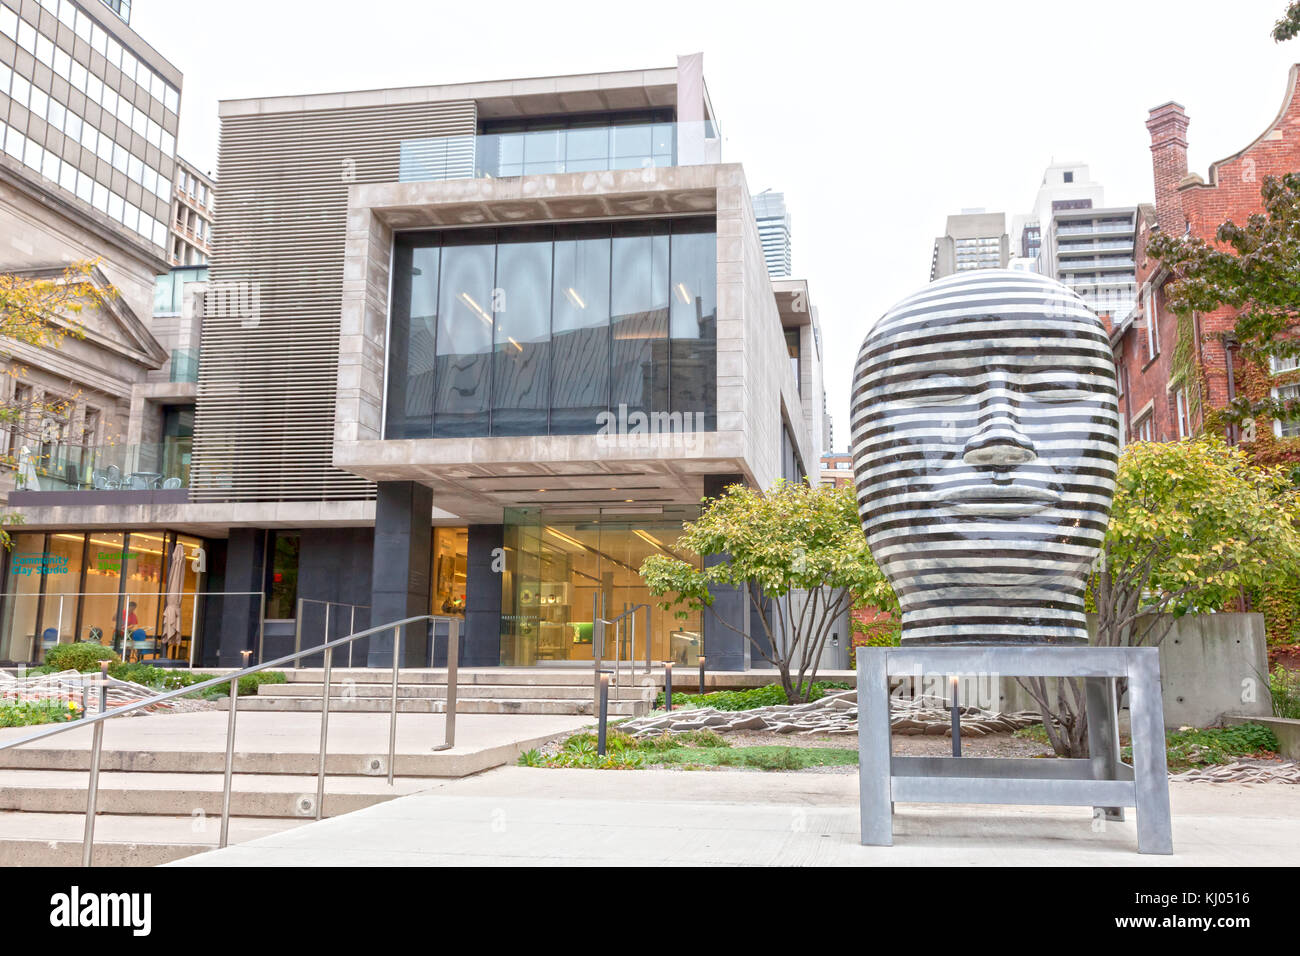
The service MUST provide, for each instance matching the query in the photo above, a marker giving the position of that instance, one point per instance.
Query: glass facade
(449, 571)
(100, 128)
(104, 587)
(539, 330)
(574, 144)
(563, 572)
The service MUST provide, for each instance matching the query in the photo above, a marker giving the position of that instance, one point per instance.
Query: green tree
(791, 540)
(1255, 269)
(1194, 523)
(41, 310)
(1289, 25)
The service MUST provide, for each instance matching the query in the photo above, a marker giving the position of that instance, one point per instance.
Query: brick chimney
(1168, 127)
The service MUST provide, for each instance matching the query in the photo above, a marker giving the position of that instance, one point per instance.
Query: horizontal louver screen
(264, 425)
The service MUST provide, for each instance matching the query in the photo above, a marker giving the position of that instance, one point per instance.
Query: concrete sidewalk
(536, 817)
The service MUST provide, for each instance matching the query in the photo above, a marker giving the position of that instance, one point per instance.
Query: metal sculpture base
(1101, 781)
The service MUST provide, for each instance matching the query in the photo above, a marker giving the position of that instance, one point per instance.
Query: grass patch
(747, 699)
(691, 750)
(763, 758)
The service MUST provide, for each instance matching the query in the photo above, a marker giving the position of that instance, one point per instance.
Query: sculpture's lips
(1010, 499)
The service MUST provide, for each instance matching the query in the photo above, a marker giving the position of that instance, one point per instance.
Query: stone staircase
(162, 776)
(479, 691)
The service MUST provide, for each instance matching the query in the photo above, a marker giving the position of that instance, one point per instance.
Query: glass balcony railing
(156, 466)
(552, 151)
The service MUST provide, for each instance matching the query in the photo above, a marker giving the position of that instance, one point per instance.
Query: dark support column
(482, 639)
(400, 577)
(245, 571)
(725, 649)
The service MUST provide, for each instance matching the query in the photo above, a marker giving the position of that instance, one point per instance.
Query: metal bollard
(668, 685)
(956, 719)
(701, 673)
(604, 713)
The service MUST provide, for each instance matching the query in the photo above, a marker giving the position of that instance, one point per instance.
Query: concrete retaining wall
(1210, 665)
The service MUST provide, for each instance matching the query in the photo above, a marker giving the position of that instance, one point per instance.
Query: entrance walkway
(524, 816)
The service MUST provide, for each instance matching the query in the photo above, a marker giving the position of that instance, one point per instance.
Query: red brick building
(1164, 398)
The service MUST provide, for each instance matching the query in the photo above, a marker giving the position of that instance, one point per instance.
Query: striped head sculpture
(985, 444)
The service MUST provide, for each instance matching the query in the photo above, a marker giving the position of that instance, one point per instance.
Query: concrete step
(55, 839)
(357, 689)
(288, 743)
(179, 794)
(269, 700)
(481, 676)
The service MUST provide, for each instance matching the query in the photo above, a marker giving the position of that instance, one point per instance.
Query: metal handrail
(598, 646)
(398, 628)
(297, 626)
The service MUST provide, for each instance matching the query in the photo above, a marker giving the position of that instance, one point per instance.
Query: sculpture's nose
(999, 443)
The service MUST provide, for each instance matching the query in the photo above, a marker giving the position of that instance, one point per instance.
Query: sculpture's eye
(1060, 386)
(937, 390)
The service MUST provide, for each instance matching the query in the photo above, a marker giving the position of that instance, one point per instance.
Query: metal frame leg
(1103, 735)
(1150, 769)
(873, 748)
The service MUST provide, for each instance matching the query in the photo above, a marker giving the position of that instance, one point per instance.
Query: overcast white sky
(877, 120)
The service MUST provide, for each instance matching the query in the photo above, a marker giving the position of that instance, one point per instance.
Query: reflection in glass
(580, 329)
(540, 330)
(520, 376)
(694, 324)
(464, 345)
(639, 317)
(415, 319)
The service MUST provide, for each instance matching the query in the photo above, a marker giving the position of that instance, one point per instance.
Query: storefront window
(62, 584)
(101, 607)
(561, 574)
(450, 567)
(102, 587)
(282, 600)
(22, 598)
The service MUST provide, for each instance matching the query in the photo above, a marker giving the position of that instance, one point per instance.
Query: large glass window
(580, 328)
(694, 323)
(572, 144)
(639, 317)
(521, 366)
(414, 328)
(539, 330)
(463, 368)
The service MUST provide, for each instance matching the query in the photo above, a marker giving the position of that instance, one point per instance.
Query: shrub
(27, 713)
(750, 698)
(1284, 688)
(78, 657)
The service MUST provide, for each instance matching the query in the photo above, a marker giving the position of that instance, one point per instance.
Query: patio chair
(114, 476)
(171, 484)
(142, 644)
